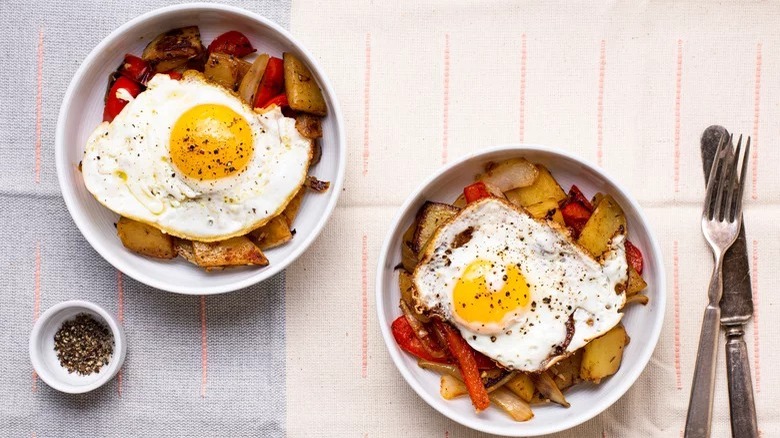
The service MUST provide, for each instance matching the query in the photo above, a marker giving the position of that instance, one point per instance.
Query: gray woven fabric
(162, 391)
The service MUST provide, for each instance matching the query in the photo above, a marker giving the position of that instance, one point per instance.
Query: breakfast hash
(515, 291)
(205, 152)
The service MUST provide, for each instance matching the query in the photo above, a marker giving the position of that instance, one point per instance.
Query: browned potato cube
(636, 283)
(544, 187)
(603, 355)
(303, 93)
(222, 69)
(429, 218)
(547, 209)
(276, 232)
(235, 251)
(145, 239)
(291, 211)
(606, 220)
(172, 49)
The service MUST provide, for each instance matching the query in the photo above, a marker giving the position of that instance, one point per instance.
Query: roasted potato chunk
(547, 209)
(303, 93)
(544, 187)
(566, 372)
(308, 125)
(235, 251)
(291, 211)
(606, 220)
(522, 385)
(276, 232)
(602, 356)
(429, 218)
(636, 283)
(223, 69)
(172, 49)
(145, 239)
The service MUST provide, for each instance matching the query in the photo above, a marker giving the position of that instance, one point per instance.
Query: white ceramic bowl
(643, 323)
(82, 110)
(44, 357)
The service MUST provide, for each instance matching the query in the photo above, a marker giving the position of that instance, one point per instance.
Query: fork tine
(732, 185)
(713, 180)
(742, 179)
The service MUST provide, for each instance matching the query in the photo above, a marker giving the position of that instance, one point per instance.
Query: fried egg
(188, 157)
(518, 288)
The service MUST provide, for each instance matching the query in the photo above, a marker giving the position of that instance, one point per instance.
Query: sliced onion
(250, 81)
(513, 405)
(510, 174)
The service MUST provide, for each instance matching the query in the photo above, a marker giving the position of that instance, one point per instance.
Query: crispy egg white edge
(429, 250)
(103, 127)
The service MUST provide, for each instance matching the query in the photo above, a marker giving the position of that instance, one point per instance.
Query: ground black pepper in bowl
(83, 344)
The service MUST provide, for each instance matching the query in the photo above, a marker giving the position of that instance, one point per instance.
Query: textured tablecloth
(628, 85)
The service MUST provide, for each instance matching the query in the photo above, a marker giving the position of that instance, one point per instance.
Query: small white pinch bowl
(44, 357)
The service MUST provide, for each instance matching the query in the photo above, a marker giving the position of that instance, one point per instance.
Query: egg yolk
(210, 142)
(477, 302)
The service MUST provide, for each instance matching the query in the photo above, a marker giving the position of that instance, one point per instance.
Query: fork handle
(699, 421)
(743, 408)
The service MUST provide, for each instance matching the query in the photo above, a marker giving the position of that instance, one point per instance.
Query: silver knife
(736, 306)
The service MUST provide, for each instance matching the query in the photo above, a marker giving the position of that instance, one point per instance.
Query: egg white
(564, 281)
(127, 165)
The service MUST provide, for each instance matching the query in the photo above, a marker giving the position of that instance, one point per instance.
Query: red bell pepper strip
(115, 105)
(634, 256)
(483, 362)
(463, 354)
(272, 83)
(232, 43)
(475, 192)
(575, 215)
(280, 101)
(409, 342)
(576, 194)
(135, 68)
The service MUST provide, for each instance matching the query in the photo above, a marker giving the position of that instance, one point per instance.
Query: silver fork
(720, 223)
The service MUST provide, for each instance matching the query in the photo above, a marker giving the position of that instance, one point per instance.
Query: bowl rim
(80, 220)
(566, 422)
(120, 346)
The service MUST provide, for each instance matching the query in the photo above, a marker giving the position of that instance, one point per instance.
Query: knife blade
(736, 306)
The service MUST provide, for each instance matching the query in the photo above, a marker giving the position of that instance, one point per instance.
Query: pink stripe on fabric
(603, 433)
(364, 309)
(756, 340)
(523, 64)
(39, 108)
(204, 350)
(676, 280)
(677, 99)
(446, 434)
(366, 104)
(36, 300)
(120, 314)
(756, 120)
(446, 117)
(602, 68)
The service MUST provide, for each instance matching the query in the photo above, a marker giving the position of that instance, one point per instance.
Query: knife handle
(743, 407)
(699, 421)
